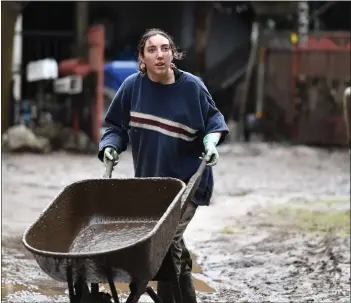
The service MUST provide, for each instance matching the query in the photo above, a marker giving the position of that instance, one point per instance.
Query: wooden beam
(203, 20)
(255, 44)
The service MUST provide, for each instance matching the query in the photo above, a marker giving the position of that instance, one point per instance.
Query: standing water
(110, 236)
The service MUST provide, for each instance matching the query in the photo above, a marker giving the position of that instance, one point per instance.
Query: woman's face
(157, 55)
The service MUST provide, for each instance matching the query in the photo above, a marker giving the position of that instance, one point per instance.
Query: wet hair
(150, 33)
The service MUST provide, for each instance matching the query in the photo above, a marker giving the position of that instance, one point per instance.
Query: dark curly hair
(152, 32)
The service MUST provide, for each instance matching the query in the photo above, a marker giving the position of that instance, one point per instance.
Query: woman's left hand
(211, 153)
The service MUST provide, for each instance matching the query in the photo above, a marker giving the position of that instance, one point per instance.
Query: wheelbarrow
(84, 239)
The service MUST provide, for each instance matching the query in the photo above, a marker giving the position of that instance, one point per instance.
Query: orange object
(74, 66)
(259, 115)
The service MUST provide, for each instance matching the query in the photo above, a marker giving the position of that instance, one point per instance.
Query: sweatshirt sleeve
(117, 118)
(213, 119)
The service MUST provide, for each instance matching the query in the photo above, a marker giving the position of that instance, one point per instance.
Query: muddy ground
(278, 229)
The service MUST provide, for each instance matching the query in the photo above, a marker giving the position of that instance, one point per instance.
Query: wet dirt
(110, 236)
(279, 226)
(277, 229)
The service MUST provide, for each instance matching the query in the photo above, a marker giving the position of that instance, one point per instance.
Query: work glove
(110, 154)
(211, 153)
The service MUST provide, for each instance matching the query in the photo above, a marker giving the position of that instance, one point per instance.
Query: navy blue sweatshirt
(165, 125)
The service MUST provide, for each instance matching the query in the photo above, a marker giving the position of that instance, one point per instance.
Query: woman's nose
(159, 54)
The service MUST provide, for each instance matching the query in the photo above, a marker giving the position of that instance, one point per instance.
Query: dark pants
(183, 262)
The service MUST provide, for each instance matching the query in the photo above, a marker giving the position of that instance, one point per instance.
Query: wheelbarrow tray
(98, 228)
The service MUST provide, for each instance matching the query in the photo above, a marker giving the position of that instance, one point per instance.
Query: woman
(169, 118)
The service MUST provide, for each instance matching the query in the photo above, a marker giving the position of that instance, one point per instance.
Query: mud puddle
(22, 293)
(102, 236)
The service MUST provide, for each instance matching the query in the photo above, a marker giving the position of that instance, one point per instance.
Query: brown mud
(278, 228)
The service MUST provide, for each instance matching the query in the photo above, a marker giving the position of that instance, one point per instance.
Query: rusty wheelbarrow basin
(99, 228)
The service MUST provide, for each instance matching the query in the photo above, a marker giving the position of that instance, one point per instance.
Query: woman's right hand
(110, 154)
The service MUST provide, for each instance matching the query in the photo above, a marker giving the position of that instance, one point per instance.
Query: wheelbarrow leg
(136, 291)
(70, 284)
(153, 295)
(112, 287)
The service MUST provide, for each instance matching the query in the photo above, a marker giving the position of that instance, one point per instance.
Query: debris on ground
(20, 138)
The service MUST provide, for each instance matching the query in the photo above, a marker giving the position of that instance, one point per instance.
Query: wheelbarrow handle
(108, 171)
(192, 186)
